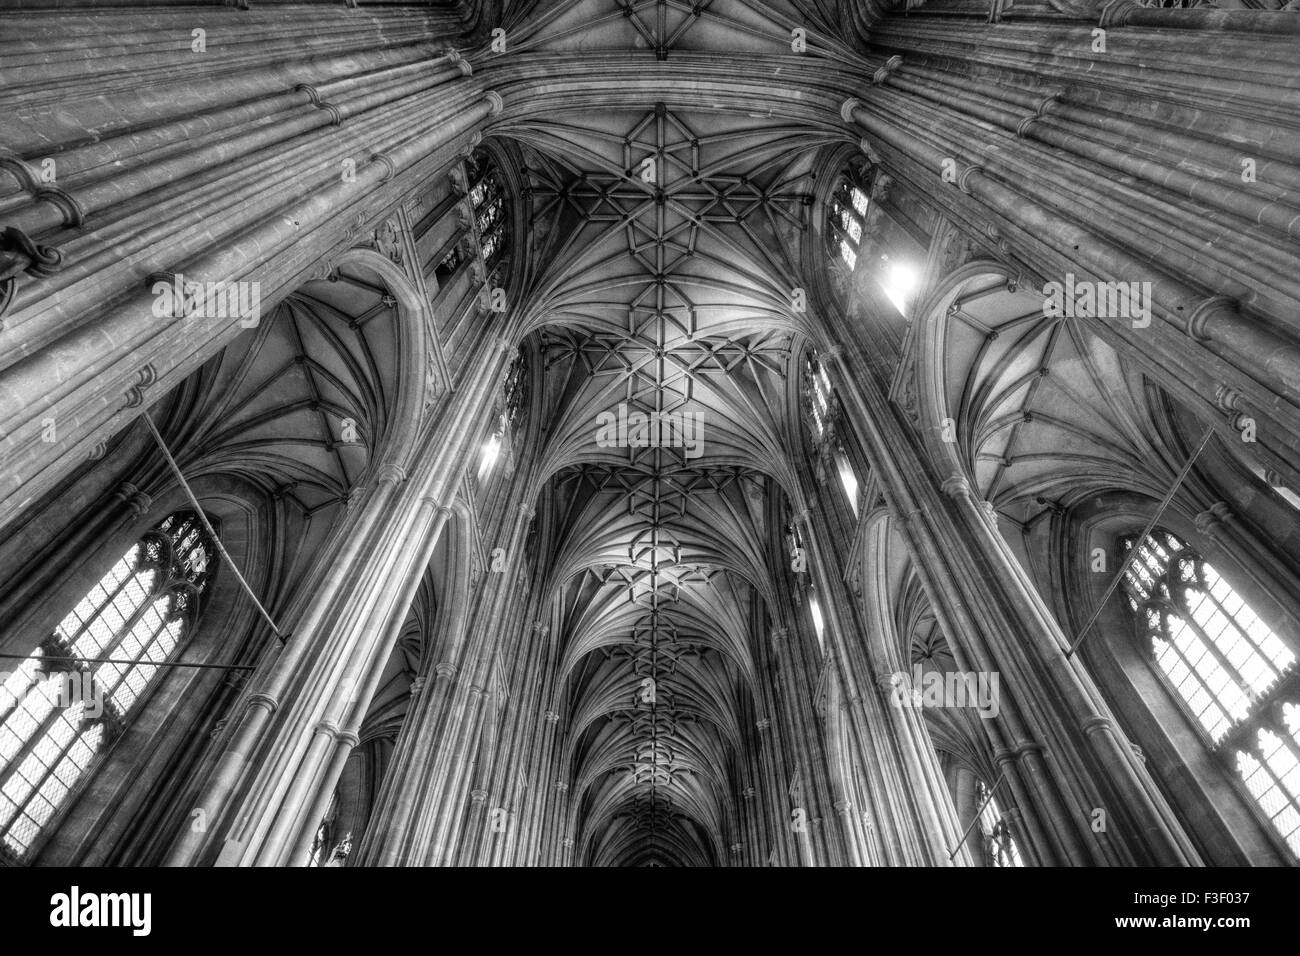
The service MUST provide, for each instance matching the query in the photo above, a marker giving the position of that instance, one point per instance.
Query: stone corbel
(455, 57)
(19, 254)
(74, 214)
(1116, 13)
(135, 393)
(882, 74)
(336, 117)
(457, 178)
(1210, 522)
(134, 498)
(956, 486)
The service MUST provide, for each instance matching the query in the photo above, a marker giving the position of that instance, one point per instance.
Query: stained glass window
(487, 194)
(846, 212)
(328, 848)
(821, 407)
(513, 400)
(1233, 674)
(999, 847)
(76, 690)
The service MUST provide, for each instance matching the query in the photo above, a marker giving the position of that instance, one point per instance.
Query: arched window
(823, 411)
(846, 212)
(999, 847)
(329, 848)
(73, 694)
(1233, 675)
(514, 395)
(487, 194)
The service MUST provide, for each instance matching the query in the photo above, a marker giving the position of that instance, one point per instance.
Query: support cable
(115, 660)
(1133, 551)
(198, 509)
(978, 814)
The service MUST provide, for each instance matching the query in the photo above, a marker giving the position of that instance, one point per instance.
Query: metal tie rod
(115, 660)
(987, 800)
(198, 509)
(1133, 551)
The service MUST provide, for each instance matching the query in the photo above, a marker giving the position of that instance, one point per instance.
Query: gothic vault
(649, 433)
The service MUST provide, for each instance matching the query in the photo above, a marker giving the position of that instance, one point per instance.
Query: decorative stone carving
(1210, 521)
(135, 499)
(955, 486)
(19, 254)
(906, 389)
(388, 240)
(144, 378)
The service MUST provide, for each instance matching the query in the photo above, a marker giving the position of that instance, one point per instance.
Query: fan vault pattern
(672, 255)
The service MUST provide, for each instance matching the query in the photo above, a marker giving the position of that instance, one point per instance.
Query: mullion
(45, 728)
(1262, 758)
(1185, 614)
(1191, 668)
(99, 609)
(77, 733)
(144, 649)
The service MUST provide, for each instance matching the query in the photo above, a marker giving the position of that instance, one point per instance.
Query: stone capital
(1210, 521)
(1115, 13)
(391, 472)
(265, 701)
(956, 486)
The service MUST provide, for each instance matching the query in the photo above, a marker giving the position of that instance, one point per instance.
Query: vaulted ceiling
(670, 235)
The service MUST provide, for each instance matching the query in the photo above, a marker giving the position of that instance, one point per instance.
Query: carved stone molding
(1210, 521)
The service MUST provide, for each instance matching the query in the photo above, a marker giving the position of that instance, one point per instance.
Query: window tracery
(75, 691)
(1233, 675)
(823, 410)
(487, 194)
(846, 212)
(999, 846)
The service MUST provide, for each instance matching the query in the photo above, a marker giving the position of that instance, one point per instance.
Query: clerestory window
(73, 694)
(487, 194)
(1233, 675)
(999, 846)
(847, 211)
